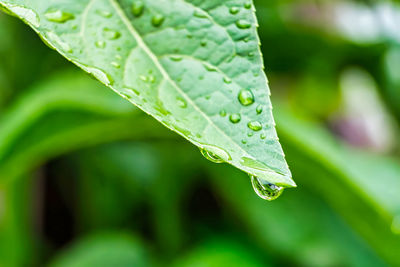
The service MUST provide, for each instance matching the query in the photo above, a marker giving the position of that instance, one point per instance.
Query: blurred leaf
(185, 64)
(106, 249)
(220, 252)
(66, 107)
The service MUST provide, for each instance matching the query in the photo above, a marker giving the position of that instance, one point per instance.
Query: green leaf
(193, 65)
(106, 249)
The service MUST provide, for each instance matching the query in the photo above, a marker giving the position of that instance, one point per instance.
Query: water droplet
(111, 34)
(209, 67)
(263, 136)
(181, 102)
(207, 97)
(235, 118)
(157, 20)
(59, 43)
(189, 36)
(244, 141)
(98, 74)
(215, 154)
(243, 24)
(264, 190)
(100, 44)
(250, 134)
(28, 15)
(251, 54)
(104, 13)
(259, 109)
(144, 78)
(116, 64)
(246, 97)
(152, 78)
(118, 57)
(254, 125)
(222, 113)
(227, 80)
(199, 14)
(247, 5)
(136, 92)
(203, 43)
(137, 8)
(58, 16)
(176, 58)
(234, 10)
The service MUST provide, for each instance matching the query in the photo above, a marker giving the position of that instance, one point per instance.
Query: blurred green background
(86, 179)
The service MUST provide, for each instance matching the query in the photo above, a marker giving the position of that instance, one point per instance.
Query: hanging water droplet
(227, 80)
(247, 5)
(246, 97)
(235, 118)
(157, 20)
(215, 154)
(104, 13)
(176, 58)
(264, 190)
(111, 34)
(100, 44)
(181, 102)
(243, 24)
(259, 109)
(58, 16)
(222, 113)
(26, 14)
(137, 8)
(59, 43)
(116, 64)
(199, 14)
(234, 10)
(255, 125)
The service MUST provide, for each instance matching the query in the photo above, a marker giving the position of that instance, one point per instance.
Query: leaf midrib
(166, 76)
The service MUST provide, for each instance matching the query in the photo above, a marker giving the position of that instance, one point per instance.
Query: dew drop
(181, 102)
(111, 34)
(255, 125)
(137, 8)
(26, 14)
(244, 141)
(58, 16)
(222, 113)
(259, 109)
(100, 44)
(243, 24)
(199, 14)
(104, 13)
(98, 74)
(215, 154)
(246, 97)
(264, 190)
(227, 80)
(247, 5)
(144, 78)
(251, 54)
(176, 58)
(157, 20)
(152, 78)
(60, 43)
(209, 67)
(203, 43)
(234, 10)
(235, 118)
(250, 134)
(263, 136)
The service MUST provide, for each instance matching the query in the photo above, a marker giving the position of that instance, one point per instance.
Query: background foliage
(88, 180)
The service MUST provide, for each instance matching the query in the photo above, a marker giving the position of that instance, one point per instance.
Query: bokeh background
(86, 179)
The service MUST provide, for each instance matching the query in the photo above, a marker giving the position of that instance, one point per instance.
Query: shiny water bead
(58, 16)
(137, 8)
(264, 190)
(246, 97)
(235, 118)
(157, 20)
(243, 24)
(255, 125)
